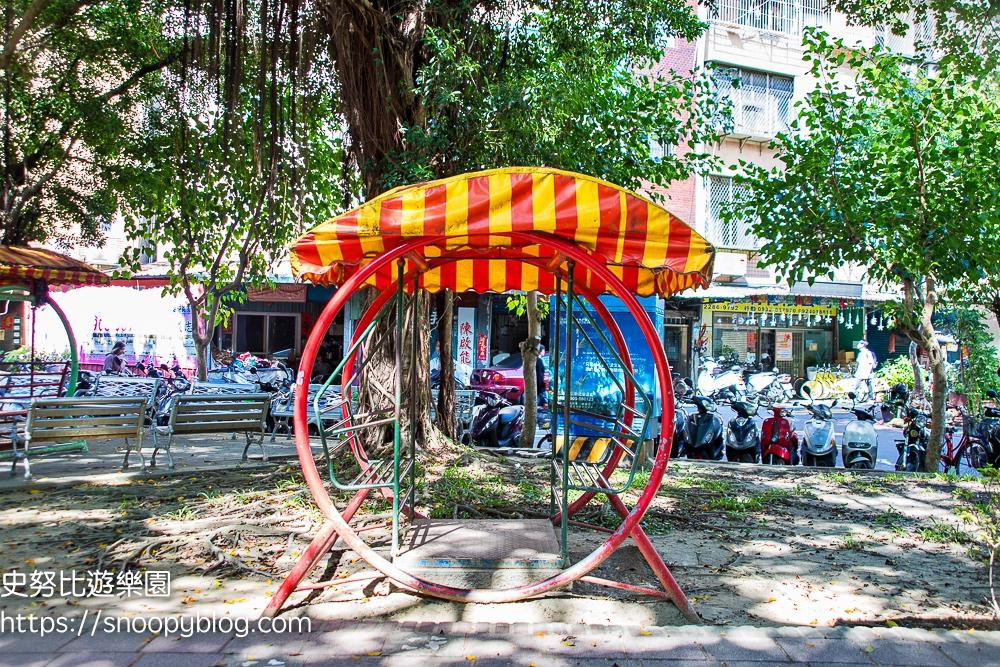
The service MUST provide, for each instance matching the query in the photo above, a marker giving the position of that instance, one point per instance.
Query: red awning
(19, 263)
(470, 218)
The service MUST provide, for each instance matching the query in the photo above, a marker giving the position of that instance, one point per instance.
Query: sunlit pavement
(372, 643)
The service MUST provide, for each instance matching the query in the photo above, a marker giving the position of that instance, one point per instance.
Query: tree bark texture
(529, 355)
(920, 301)
(445, 408)
(918, 371)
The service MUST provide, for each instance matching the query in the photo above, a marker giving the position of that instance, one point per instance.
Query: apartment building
(754, 50)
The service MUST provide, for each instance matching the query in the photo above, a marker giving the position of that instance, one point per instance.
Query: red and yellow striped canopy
(19, 263)
(468, 219)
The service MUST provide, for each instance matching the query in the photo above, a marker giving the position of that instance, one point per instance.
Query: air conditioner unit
(730, 264)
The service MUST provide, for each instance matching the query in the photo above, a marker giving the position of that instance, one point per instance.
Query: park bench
(60, 419)
(465, 401)
(209, 413)
(284, 408)
(19, 386)
(116, 386)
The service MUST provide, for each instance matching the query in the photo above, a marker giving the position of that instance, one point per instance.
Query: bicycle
(969, 446)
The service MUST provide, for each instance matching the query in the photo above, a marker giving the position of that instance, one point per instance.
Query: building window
(658, 149)
(784, 16)
(264, 333)
(723, 191)
(760, 101)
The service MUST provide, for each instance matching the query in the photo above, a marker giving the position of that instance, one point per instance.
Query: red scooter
(779, 442)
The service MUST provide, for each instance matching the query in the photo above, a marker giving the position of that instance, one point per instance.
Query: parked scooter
(683, 391)
(743, 437)
(912, 449)
(720, 384)
(989, 431)
(859, 447)
(779, 441)
(899, 396)
(496, 422)
(703, 431)
(819, 447)
(85, 384)
(769, 387)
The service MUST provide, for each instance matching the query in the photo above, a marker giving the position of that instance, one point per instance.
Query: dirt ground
(750, 545)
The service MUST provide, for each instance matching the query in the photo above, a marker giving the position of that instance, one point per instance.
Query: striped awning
(467, 221)
(20, 263)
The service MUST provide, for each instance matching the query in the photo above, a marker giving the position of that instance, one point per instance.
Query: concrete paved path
(372, 644)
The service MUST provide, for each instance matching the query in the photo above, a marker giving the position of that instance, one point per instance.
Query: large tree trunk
(445, 408)
(529, 354)
(918, 326)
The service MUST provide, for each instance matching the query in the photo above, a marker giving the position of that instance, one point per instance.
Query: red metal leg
(660, 568)
(320, 545)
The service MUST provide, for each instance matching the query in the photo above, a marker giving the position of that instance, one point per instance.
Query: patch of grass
(461, 487)
(868, 484)
(128, 503)
(893, 477)
(737, 507)
(944, 533)
(852, 542)
(892, 519)
(531, 492)
(716, 485)
(183, 513)
(836, 477)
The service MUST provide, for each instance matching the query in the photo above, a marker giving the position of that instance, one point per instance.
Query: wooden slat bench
(56, 420)
(206, 414)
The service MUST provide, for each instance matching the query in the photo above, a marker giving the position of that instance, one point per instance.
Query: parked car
(507, 373)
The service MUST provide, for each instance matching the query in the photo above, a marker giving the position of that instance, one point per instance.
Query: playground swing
(563, 234)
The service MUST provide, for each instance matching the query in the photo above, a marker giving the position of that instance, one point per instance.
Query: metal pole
(555, 400)
(566, 408)
(399, 399)
(413, 402)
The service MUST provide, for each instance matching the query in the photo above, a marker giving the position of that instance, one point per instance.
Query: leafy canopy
(896, 170)
(75, 74)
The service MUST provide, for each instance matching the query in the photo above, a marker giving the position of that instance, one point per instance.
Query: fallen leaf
(644, 633)
(869, 648)
(772, 599)
(470, 657)
(891, 623)
(374, 653)
(813, 622)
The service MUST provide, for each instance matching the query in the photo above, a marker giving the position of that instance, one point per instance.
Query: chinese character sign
(463, 351)
(482, 347)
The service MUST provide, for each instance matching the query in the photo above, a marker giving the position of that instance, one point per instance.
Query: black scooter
(912, 448)
(703, 433)
(743, 436)
(988, 430)
(496, 422)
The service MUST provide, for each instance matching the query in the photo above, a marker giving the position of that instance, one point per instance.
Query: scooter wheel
(774, 460)
(862, 465)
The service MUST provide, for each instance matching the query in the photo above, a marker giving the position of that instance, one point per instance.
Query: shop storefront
(790, 333)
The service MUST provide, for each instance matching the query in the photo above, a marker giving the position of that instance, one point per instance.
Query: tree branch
(27, 20)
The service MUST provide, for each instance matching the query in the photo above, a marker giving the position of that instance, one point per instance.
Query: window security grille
(760, 101)
(736, 234)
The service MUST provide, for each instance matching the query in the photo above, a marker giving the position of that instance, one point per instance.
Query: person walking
(867, 362)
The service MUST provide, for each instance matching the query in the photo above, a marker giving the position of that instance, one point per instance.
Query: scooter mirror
(851, 395)
(992, 394)
(775, 370)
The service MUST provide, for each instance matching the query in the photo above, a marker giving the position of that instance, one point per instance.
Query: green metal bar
(74, 357)
(399, 398)
(566, 409)
(413, 400)
(79, 445)
(555, 397)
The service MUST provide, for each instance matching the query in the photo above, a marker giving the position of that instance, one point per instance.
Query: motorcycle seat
(507, 415)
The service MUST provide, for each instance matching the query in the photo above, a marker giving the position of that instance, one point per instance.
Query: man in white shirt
(866, 366)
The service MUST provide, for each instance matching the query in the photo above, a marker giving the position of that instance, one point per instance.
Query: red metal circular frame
(574, 572)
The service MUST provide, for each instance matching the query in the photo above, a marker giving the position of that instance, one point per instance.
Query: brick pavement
(392, 644)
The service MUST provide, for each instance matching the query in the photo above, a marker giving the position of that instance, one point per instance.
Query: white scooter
(719, 384)
(860, 443)
(770, 387)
